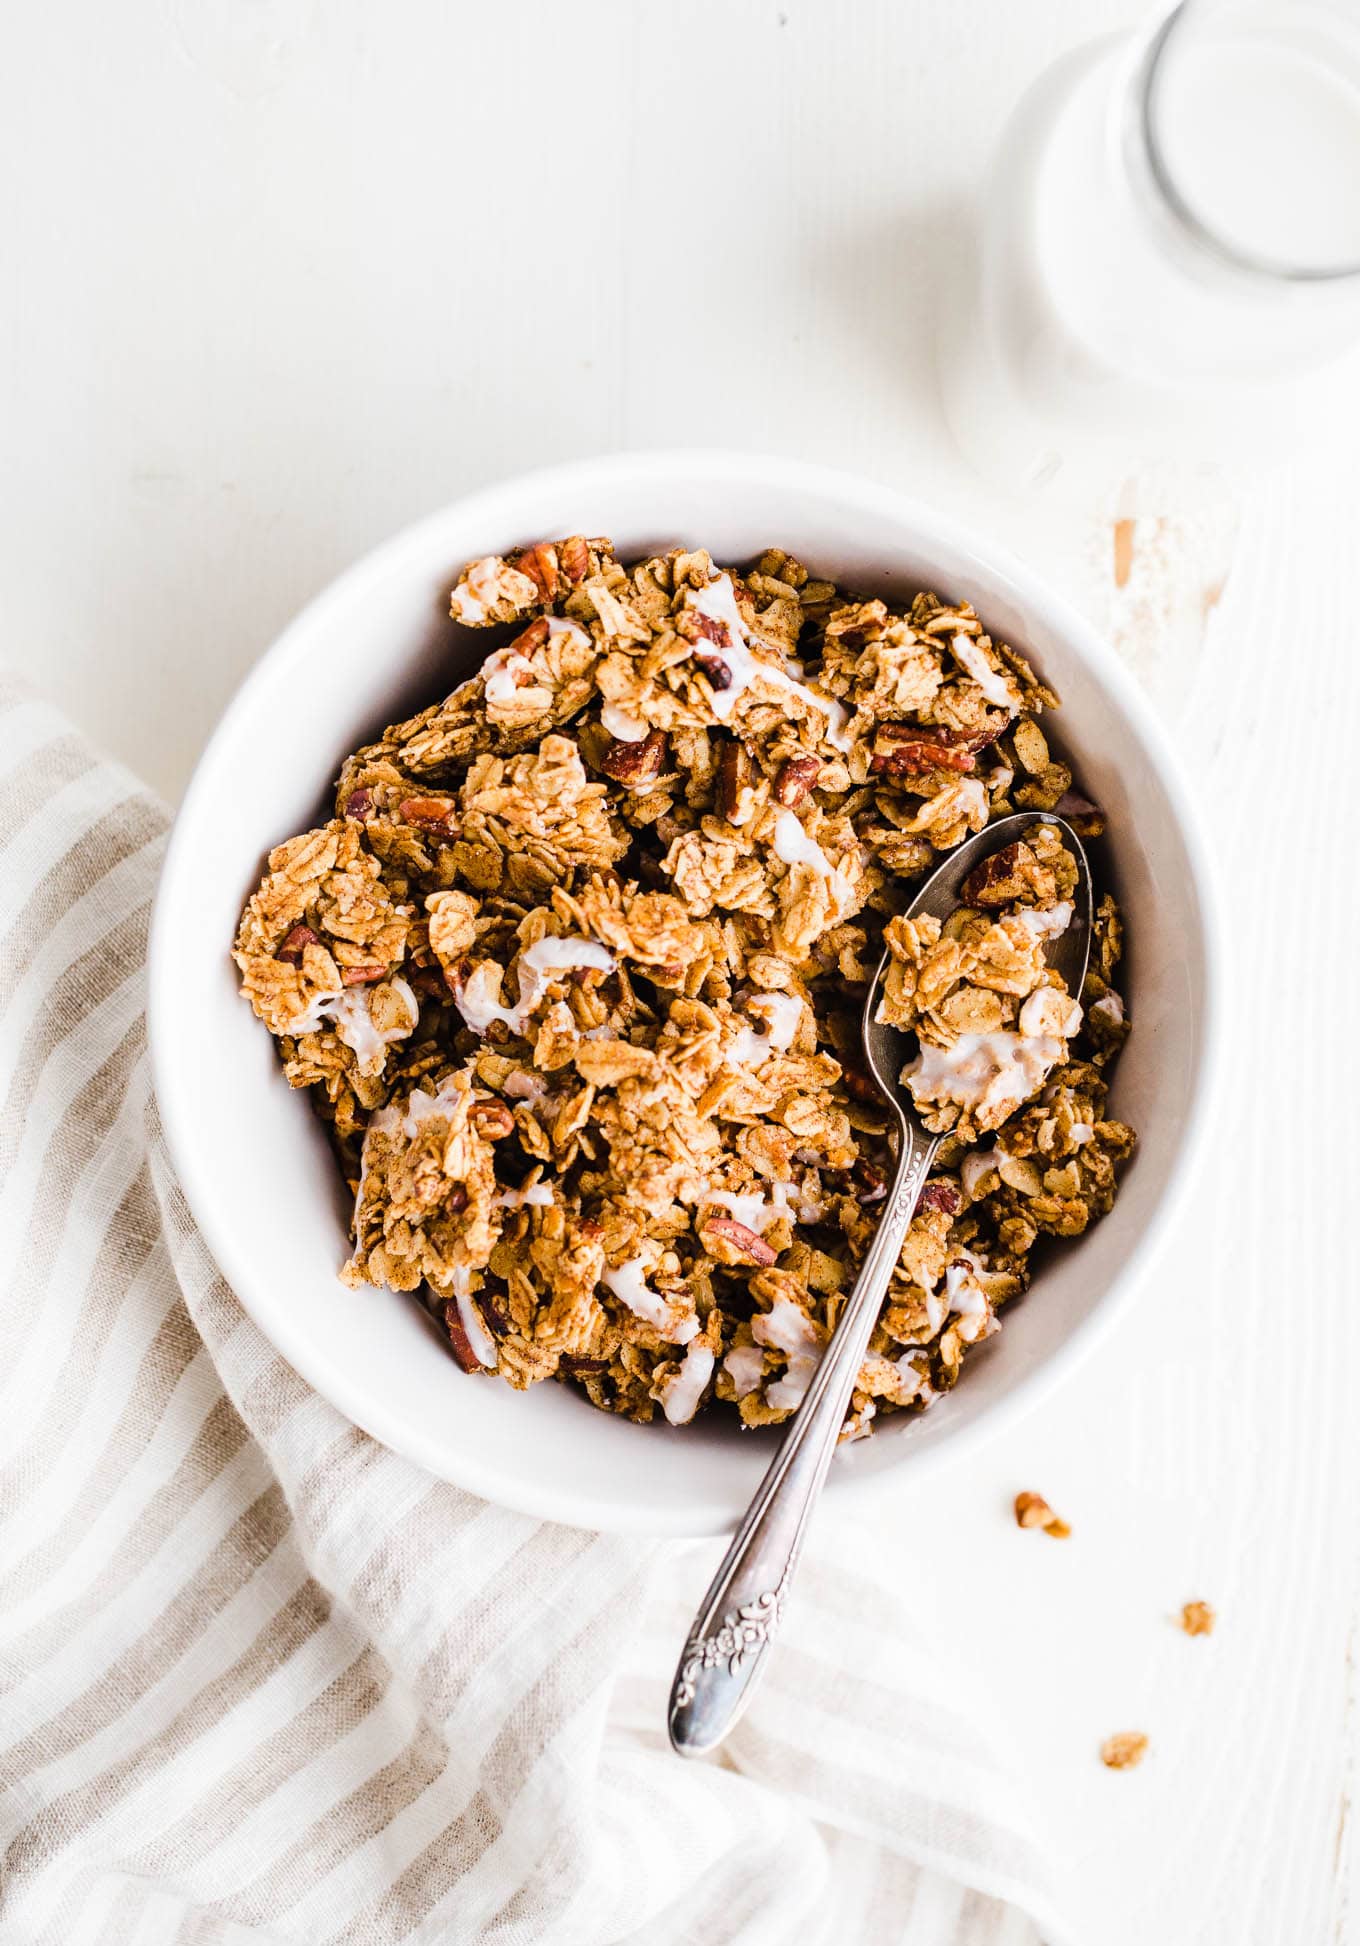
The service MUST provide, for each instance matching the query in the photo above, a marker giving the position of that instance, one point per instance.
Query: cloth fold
(261, 1680)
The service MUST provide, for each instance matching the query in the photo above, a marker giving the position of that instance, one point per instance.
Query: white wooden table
(281, 275)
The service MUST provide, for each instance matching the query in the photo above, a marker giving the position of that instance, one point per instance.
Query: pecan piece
(872, 1186)
(717, 671)
(862, 1087)
(941, 1196)
(735, 1242)
(735, 778)
(459, 1342)
(361, 976)
(575, 1365)
(906, 750)
(492, 1120)
(573, 557)
(540, 564)
(1086, 819)
(494, 1315)
(794, 779)
(359, 804)
(295, 945)
(437, 815)
(531, 638)
(635, 764)
(710, 627)
(1012, 873)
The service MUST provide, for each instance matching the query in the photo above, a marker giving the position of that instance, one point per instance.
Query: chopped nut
(635, 764)
(1198, 1618)
(573, 557)
(438, 815)
(734, 782)
(794, 779)
(1123, 1750)
(1011, 874)
(1086, 819)
(540, 564)
(718, 672)
(492, 1120)
(730, 1241)
(362, 976)
(459, 1342)
(1032, 1510)
(905, 749)
(293, 947)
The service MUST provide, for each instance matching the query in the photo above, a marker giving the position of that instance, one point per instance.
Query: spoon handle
(737, 1618)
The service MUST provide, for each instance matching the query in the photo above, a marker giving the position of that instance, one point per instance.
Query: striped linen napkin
(262, 1680)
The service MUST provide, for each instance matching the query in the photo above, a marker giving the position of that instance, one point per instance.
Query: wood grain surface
(280, 276)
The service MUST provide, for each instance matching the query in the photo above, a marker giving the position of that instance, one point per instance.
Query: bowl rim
(492, 506)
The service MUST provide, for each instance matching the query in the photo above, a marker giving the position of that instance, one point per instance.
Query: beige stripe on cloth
(261, 1680)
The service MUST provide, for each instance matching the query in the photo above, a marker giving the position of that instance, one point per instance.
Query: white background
(280, 275)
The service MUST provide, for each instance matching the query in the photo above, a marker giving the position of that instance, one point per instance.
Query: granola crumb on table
(1032, 1510)
(573, 975)
(1123, 1750)
(1198, 1618)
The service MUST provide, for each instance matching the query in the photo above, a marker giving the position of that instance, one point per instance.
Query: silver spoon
(737, 1619)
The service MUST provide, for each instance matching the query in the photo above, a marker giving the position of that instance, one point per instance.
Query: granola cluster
(574, 973)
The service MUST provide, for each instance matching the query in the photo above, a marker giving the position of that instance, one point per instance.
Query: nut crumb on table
(573, 976)
(1123, 1750)
(1032, 1510)
(1198, 1618)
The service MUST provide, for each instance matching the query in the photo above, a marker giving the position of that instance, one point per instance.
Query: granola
(573, 975)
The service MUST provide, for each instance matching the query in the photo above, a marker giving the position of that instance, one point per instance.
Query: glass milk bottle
(1166, 264)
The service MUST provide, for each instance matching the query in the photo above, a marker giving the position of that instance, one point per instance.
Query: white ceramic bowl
(255, 1165)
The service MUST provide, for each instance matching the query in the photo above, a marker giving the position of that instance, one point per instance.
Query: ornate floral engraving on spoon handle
(744, 1630)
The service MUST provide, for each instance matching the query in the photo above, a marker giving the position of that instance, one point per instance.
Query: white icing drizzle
(750, 1207)
(621, 723)
(1109, 1007)
(536, 968)
(536, 1195)
(962, 1292)
(718, 601)
(1050, 1011)
(983, 1071)
(481, 1340)
(758, 1211)
(1045, 924)
(628, 1282)
(785, 1328)
(522, 1086)
(563, 625)
(470, 600)
(682, 1391)
(504, 674)
(508, 673)
(745, 1366)
(1081, 1133)
(348, 1012)
(808, 1205)
(975, 1165)
(997, 688)
(793, 844)
(782, 1012)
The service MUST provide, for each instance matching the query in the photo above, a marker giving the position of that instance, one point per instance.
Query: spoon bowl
(887, 1050)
